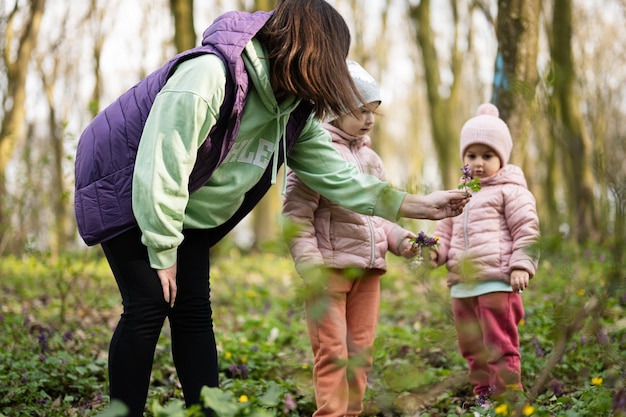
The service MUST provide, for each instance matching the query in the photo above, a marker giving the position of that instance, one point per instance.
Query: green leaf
(222, 403)
(271, 397)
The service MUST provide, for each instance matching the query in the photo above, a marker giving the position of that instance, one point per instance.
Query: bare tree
(184, 31)
(19, 43)
(516, 76)
(602, 88)
(266, 214)
(444, 127)
(568, 127)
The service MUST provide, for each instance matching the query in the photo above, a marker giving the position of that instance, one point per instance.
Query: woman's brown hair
(307, 43)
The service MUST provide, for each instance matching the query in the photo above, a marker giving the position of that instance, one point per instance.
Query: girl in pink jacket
(349, 249)
(487, 251)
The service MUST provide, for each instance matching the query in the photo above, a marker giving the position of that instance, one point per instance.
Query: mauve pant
(134, 341)
(342, 339)
(486, 328)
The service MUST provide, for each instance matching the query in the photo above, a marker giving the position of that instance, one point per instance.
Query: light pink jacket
(492, 236)
(335, 237)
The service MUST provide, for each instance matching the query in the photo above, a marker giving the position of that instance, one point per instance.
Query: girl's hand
(168, 283)
(519, 280)
(407, 249)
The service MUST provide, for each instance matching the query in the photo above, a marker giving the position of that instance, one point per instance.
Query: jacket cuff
(388, 204)
(162, 259)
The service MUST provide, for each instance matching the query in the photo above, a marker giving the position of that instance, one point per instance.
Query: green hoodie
(184, 112)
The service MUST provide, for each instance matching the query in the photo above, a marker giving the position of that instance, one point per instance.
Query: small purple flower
(468, 182)
(42, 358)
(538, 350)
(404, 350)
(556, 387)
(67, 336)
(289, 402)
(244, 371)
(43, 342)
(234, 369)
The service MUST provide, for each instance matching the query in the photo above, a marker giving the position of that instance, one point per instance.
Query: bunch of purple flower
(424, 241)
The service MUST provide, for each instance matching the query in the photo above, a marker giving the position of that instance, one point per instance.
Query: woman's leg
(131, 351)
(363, 306)
(193, 341)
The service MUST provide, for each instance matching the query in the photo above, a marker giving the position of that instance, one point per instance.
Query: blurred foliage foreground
(57, 315)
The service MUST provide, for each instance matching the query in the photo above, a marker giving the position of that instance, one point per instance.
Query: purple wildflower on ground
(43, 342)
(289, 402)
(243, 370)
(67, 336)
(556, 387)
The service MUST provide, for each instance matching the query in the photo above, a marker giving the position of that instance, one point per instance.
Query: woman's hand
(434, 206)
(168, 283)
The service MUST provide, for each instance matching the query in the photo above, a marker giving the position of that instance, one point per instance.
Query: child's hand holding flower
(423, 243)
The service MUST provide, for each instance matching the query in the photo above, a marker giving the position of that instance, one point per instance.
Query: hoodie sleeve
(523, 222)
(320, 166)
(179, 122)
(299, 207)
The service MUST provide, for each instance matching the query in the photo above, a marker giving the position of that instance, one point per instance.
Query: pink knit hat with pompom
(487, 129)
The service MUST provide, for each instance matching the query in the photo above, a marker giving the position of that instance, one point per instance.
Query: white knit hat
(487, 129)
(365, 83)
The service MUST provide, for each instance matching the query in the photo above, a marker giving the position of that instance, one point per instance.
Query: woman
(178, 160)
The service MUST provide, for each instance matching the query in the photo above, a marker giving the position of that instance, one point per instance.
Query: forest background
(557, 78)
(555, 69)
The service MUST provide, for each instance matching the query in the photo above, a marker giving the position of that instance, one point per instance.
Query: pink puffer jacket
(492, 236)
(332, 236)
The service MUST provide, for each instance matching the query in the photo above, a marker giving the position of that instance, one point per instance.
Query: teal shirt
(474, 289)
(181, 117)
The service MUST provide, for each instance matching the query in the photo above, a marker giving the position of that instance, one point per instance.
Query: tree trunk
(515, 76)
(569, 130)
(184, 31)
(265, 214)
(11, 130)
(445, 129)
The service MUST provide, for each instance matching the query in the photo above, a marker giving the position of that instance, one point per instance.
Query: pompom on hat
(486, 128)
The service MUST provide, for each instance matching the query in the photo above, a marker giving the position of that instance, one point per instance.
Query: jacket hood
(339, 136)
(257, 68)
(508, 174)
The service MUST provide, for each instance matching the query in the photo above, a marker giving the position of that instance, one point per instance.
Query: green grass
(57, 315)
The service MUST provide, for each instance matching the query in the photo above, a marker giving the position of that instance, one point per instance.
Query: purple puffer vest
(105, 157)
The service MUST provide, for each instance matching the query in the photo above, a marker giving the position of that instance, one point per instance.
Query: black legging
(134, 341)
